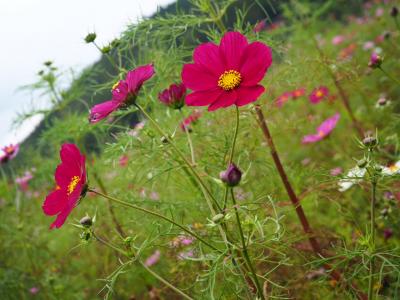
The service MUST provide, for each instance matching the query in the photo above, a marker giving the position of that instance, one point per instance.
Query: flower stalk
(388, 75)
(295, 201)
(157, 215)
(172, 287)
(372, 234)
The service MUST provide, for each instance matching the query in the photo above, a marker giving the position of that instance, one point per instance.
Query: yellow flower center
(9, 150)
(319, 93)
(393, 168)
(229, 80)
(72, 184)
(321, 133)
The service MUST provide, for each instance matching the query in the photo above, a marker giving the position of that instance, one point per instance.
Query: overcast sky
(33, 31)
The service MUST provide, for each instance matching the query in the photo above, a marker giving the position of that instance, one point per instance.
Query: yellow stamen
(393, 168)
(72, 184)
(319, 94)
(115, 86)
(321, 133)
(229, 80)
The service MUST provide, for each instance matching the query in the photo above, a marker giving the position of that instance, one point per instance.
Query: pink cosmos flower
(123, 160)
(228, 74)
(297, 93)
(181, 240)
(124, 93)
(70, 177)
(336, 171)
(375, 61)
(23, 180)
(185, 254)
(174, 96)
(192, 118)
(260, 26)
(338, 40)
(10, 152)
(34, 290)
(323, 130)
(368, 45)
(282, 99)
(318, 94)
(153, 259)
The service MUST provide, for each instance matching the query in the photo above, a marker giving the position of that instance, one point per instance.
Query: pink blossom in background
(348, 52)
(337, 40)
(297, 93)
(368, 45)
(379, 12)
(153, 259)
(154, 196)
(185, 254)
(226, 74)
(323, 130)
(282, 99)
(318, 94)
(34, 290)
(9, 153)
(336, 171)
(124, 93)
(123, 160)
(23, 180)
(181, 240)
(260, 26)
(136, 130)
(191, 119)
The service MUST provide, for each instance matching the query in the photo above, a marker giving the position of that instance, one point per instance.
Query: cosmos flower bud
(370, 141)
(115, 43)
(218, 218)
(362, 163)
(394, 11)
(375, 61)
(106, 49)
(387, 233)
(174, 96)
(231, 176)
(86, 221)
(90, 37)
(48, 63)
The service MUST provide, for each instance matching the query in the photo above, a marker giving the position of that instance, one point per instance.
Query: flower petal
(196, 77)
(256, 60)
(55, 202)
(202, 98)
(232, 46)
(224, 100)
(208, 56)
(311, 138)
(248, 94)
(72, 200)
(102, 110)
(138, 76)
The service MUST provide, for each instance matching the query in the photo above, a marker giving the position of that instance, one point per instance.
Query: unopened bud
(375, 61)
(48, 63)
(394, 11)
(86, 221)
(90, 37)
(362, 163)
(106, 49)
(231, 176)
(370, 141)
(218, 218)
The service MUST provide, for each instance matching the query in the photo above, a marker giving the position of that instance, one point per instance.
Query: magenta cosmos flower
(282, 99)
(227, 74)
(10, 152)
(318, 94)
(323, 130)
(174, 96)
(24, 180)
(192, 118)
(124, 93)
(70, 177)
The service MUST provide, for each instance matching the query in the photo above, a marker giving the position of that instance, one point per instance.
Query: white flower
(392, 169)
(354, 176)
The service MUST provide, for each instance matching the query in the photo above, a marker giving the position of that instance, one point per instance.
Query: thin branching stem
(186, 129)
(372, 235)
(127, 204)
(388, 75)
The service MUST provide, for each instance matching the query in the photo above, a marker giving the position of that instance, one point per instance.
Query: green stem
(184, 159)
(388, 75)
(157, 215)
(189, 140)
(372, 232)
(143, 265)
(244, 248)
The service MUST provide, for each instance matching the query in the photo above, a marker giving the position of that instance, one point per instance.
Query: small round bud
(106, 49)
(362, 163)
(375, 61)
(90, 38)
(394, 11)
(370, 141)
(41, 73)
(86, 221)
(231, 176)
(387, 35)
(218, 218)
(164, 140)
(382, 101)
(48, 63)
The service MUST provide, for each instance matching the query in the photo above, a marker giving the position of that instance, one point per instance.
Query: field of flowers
(215, 159)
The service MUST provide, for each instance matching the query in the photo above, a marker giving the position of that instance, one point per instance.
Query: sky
(34, 31)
